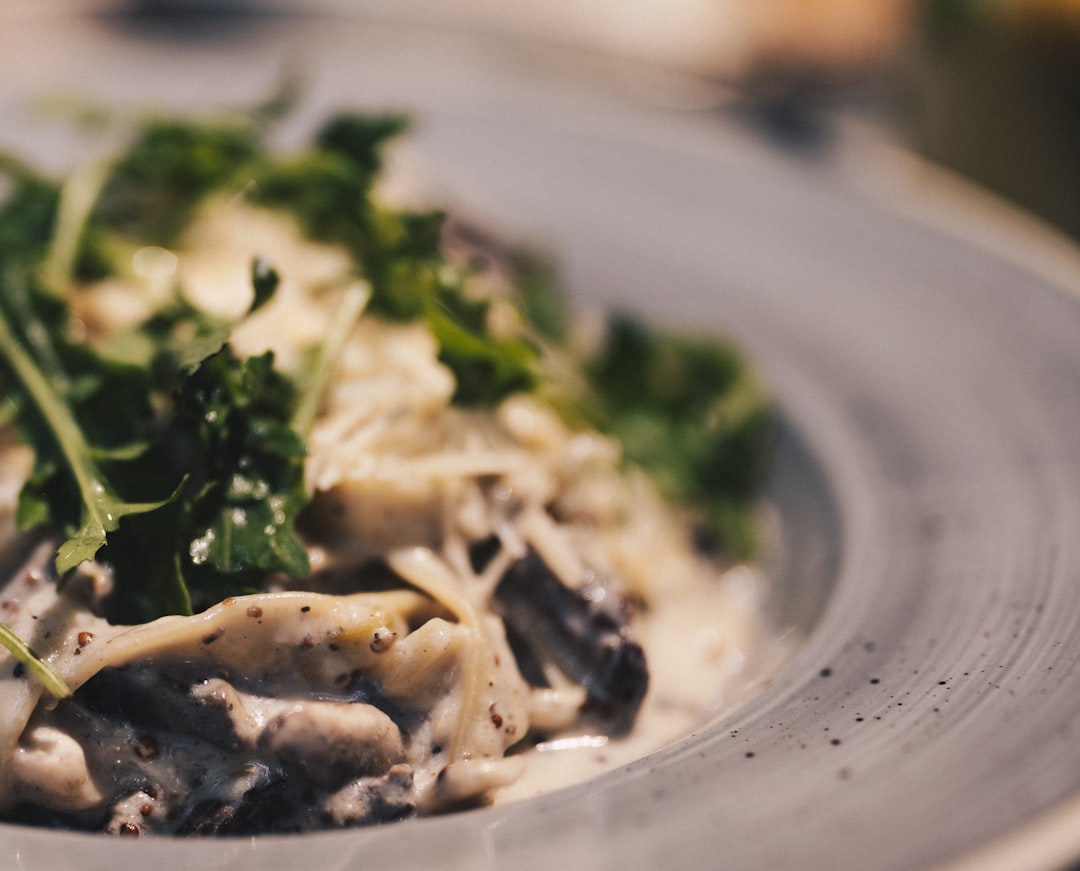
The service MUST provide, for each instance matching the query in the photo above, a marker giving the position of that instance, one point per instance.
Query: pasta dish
(319, 511)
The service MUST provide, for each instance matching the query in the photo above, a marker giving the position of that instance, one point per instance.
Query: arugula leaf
(100, 508)
(212, 459)
(542, 304)
(399, 253)
(690, 414)
(155, 186)
(360, 137)
(249, 485)
(487, 368)
(27, 212)
(229, 437)
(147, 561)
(322, 190)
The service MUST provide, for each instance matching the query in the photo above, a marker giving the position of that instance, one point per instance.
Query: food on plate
(320, 510)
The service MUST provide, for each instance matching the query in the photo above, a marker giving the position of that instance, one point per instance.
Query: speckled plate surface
(925, 347)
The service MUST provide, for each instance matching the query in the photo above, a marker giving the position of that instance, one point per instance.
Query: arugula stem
(77, 198)
(38, 668)
(64, 428)
(102, 509)
(352, 306)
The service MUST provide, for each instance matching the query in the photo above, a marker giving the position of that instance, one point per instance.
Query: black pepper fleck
(213, 636)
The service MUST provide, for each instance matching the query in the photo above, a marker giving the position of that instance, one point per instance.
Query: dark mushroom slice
(149, 697)
(277, 805)
(272, 804)
(587, 638)
(320, 764)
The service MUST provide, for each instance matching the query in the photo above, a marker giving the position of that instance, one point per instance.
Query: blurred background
(989, 88)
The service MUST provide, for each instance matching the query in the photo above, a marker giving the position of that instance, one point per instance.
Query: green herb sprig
(689, 412)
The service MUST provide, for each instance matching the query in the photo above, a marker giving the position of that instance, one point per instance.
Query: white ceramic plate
(925, 349)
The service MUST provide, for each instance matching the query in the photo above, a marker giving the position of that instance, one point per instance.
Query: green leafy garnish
(399, 253)
(27, 212)
(689, 413)
(249, 483)
(686, 410)
(33, 663)
(68, 462)
(163, 454)
(212, 466)
(124, 448)
(155, 186)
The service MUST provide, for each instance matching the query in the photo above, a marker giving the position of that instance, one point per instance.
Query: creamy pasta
(497, 603)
